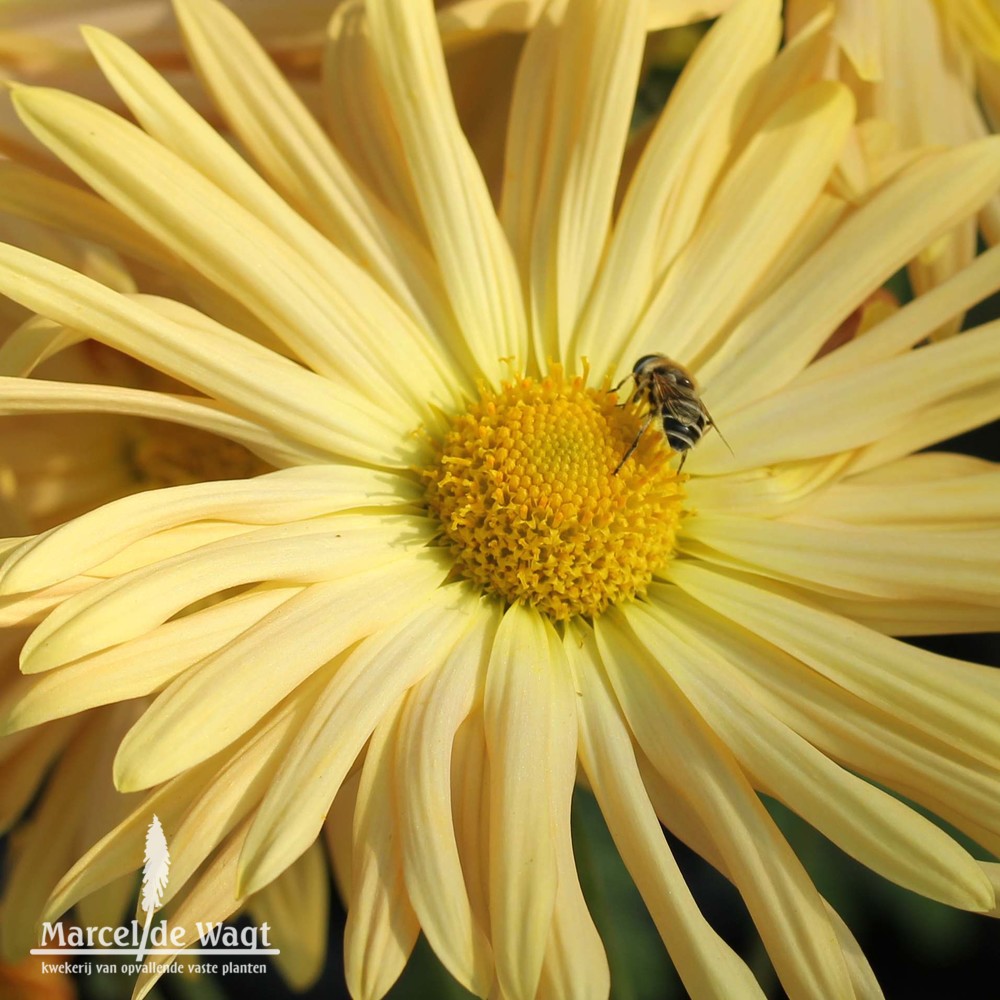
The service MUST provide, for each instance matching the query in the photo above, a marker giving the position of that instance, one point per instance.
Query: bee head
(646, 361)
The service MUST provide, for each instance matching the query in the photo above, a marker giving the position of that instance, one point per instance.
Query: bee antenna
(721, 435)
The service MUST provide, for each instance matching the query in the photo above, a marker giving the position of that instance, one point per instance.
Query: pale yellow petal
(732, 52)
(277, 498)
(785, 906)
(708, 967)
(913, 323)
(207, 356)
(798, 64)
(358, 115)
(759, 204)
(677, 814)
(33, 195)
(300, 164)
(576, 143)
(134, 668)
(575, 962)
(859, 31)
(470, 795)
(472, 252)
(528, 702)
(186, 723)
(126, 606)
(242, 776)
(338, 830)
(367, 684)
(289, 146)
(526, 152)
(795, 423)
(868, 739)
(336, 324)
(913, 618)
(296, 908)
(963, 495)
(20, 396)
(381, 925)
(778, 338)
(435, 882)
(114, 854)
(953, 700)
(922, 563)
(939, 421)
(882, 833)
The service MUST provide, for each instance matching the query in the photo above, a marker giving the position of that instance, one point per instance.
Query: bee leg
(684, 458)
(615, 388)
(634, 444)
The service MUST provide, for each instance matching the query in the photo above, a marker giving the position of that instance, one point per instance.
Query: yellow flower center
(524, 487)
(163, 454)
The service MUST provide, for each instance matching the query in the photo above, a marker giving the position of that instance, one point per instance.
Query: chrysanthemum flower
(446, 600)
(927, 69)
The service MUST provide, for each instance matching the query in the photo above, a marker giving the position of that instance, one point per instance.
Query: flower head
(452, 591)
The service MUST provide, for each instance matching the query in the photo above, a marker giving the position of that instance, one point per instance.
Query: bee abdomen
(682, 436)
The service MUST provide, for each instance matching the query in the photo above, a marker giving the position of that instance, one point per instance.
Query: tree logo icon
(155, 871)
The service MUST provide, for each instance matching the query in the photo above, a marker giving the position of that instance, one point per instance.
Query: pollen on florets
(524, 488)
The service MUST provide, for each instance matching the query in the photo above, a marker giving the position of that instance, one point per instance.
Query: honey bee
(673, 399)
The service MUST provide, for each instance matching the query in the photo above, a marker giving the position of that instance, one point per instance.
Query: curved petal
(942, 491)
(575, 963)
(127, 605)
(367, 684)
(296, 909)
(913, 323)
(731, 53)
(528, 704)
(795, 424)
(339, 324)
(565, 145)
(210, 900)
(276, 498)
(708, 967)
(879, 561)
(759, 204)
(241, 777)
(381, 925)
(939, 421)
(779, 337)
(868, 739)
(299, 162)
(359, 117)
(435, 883)
(470, 794)
(206, 356)
(473, 254)
(870, 825)
(33, 195)
(953, 700)
(786, 908)
(134, 668)
(681, 819)
(19, 396)
(186, 723)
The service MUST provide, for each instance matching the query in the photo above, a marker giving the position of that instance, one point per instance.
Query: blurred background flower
(925, 74)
